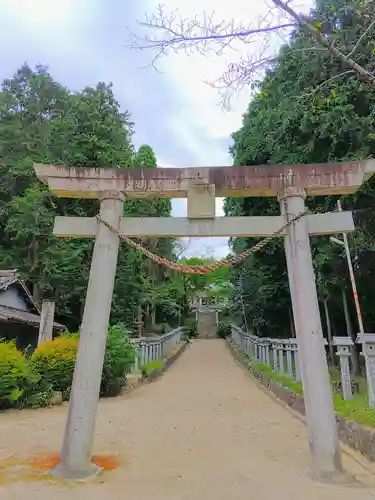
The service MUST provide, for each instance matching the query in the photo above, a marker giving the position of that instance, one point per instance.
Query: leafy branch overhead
(164, 32)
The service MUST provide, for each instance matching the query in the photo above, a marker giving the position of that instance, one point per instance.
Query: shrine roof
(264, 180)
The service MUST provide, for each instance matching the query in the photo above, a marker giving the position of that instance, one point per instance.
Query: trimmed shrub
(17, 379)
(118, 361)
(54, 361)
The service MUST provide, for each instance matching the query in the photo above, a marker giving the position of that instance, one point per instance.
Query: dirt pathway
(203, 431)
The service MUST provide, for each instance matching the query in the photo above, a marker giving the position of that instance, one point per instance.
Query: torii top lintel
(266, 180)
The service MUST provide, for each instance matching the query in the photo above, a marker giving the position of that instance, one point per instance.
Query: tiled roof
(18, 316)
(7, 278)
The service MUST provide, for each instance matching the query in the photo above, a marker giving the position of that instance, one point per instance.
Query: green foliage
(190, 326)
(17, 379)
(40, 395)
(306, 111)
(153, 368)
(118, 361)
(54, 361)
(281, 378)
(356, 409)
(224, 329)
(42, 121)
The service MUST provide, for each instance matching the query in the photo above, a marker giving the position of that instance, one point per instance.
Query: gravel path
(204, 431)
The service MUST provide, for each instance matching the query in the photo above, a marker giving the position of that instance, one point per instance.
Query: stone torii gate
(291, 184)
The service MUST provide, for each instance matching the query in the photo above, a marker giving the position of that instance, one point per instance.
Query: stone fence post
(254, 340)
(289, 359)
(266, 343)
(368, 351)
(274, 346)
(280, 349)
(295, 351)
(344, 345)
(261, 350)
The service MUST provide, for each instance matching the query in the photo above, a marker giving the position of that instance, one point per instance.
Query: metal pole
(352, 278)
(359, 313)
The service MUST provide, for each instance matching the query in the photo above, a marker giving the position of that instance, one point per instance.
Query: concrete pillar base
(335, 478)
(87, 475)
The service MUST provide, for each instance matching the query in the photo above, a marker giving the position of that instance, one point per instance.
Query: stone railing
(283, 355)
(149, 349)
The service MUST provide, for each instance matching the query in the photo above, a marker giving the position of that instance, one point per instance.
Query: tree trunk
(349, 330)
(153, 317)
(291, 322)
(35, 287)
(147, 316)
(329, 332)
(139, 321)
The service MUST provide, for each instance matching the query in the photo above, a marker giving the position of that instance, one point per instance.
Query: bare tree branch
(238, 75)
(364, 34)
(171, 32)
(325, 42)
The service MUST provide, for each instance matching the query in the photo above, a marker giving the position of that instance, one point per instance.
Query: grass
(149, 369)
(356, 409)
(277, 377)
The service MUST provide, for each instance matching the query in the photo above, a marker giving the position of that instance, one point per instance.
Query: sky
(85, 41)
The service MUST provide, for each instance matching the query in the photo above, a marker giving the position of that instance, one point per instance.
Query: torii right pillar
(322, 432)
(322, 429)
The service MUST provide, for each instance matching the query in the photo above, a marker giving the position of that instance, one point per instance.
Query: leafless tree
(169, 32)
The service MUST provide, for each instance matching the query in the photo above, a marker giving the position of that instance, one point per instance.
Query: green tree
(307, 111)
(41, 121)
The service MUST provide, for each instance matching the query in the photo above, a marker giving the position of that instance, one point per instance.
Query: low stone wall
(357, 436)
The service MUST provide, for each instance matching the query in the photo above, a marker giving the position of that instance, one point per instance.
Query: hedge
(31, 382)
(54, 361)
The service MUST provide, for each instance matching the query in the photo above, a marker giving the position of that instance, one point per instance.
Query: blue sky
(83, 41)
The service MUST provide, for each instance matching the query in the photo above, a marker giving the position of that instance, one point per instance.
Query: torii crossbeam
(290, 183)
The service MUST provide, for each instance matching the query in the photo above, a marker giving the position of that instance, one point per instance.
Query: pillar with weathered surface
(46, 322)
(76, 451)
(321, 422)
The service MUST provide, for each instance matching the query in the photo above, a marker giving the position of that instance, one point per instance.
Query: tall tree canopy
(42, 121)
(309, 109)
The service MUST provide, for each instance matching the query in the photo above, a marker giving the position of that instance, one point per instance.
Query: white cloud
(201, 111)
(84, 42)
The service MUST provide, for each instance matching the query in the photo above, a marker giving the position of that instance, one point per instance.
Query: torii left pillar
(75, 461)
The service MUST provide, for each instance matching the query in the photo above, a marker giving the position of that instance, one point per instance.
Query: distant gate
(206, 323)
